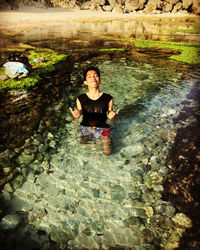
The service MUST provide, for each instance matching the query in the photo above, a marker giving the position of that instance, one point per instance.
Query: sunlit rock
(25, 158)
(118, 193)
(10, 221)
(182, 220)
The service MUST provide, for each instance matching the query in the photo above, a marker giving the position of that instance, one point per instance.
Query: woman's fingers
(71, 110)
(112, 114)
(75, 113)
(115, 114)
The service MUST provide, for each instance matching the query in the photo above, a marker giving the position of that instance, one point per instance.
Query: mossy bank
(39, 69)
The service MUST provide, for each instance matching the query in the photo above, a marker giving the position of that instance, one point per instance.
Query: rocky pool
(68, 195)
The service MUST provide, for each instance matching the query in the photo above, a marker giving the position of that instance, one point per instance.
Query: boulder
(113, 3)
(107, 8)
(10, 221)
(39, 3)
(91, 5)
(173, 2)
(13, 5)
(177, 7)
(153, 5)
(196, 7)
(187, 3)
(131, 5)
(101, 2)
(121, 2)
(4, 5)
(70, 4)
(118, 9)
(167, 7)
(4, 77)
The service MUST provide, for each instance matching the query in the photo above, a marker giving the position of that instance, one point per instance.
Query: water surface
(80, 198)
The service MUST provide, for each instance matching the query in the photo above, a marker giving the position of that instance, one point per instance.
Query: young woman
(95, 106)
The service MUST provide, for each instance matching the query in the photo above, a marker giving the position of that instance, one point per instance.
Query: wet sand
(28, 15)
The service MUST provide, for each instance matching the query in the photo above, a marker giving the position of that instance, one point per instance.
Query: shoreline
(51, 15)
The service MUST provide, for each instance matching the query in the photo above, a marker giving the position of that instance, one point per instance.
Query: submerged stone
(118, 193)
(64, 232)
(182, 220)
(132, 222)
(133, 150)
(25, 158)
(87, 231)
(8, 188)
(8, 153)
(10, 221)
(97, 226)
(31, 150)
(18, 181)
(151, 196)
(139, 212)
(135, 195)
(96, 193)
(152, 178)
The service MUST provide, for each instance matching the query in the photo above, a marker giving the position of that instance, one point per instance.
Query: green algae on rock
(51, 59)
(189, 52)
(112, 50)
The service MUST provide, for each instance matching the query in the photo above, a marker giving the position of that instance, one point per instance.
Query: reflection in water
(145, 28)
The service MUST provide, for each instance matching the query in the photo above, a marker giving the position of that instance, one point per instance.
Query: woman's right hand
(75, 113)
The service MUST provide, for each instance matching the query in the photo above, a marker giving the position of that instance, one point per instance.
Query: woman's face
(92, 79)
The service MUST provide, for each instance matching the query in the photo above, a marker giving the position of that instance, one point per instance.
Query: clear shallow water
(84, 199)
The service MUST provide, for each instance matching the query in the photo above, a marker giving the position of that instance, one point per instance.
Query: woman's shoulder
(107, 96)
(82, 96)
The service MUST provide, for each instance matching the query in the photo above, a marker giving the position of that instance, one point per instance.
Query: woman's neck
(94, 93)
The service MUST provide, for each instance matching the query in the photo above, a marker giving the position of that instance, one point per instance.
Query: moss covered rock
(48, 65)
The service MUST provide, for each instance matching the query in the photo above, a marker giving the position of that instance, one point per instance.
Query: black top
(94, 111)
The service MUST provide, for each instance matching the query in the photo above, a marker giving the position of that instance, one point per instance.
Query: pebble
(10, 221)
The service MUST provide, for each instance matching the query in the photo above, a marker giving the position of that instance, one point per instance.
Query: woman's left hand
(113, 114)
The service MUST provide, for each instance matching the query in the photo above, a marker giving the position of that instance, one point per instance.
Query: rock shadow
(182, 184)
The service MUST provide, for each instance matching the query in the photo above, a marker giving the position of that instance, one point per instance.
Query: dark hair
(91, 68)
(18, 57)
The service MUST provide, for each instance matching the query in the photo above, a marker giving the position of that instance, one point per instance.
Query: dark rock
(4, 5)
(182, 184)
(187, 4)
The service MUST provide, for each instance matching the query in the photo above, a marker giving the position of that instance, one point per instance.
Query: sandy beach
(28, 15)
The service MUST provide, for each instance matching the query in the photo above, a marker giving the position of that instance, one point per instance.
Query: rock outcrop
(117, 6)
